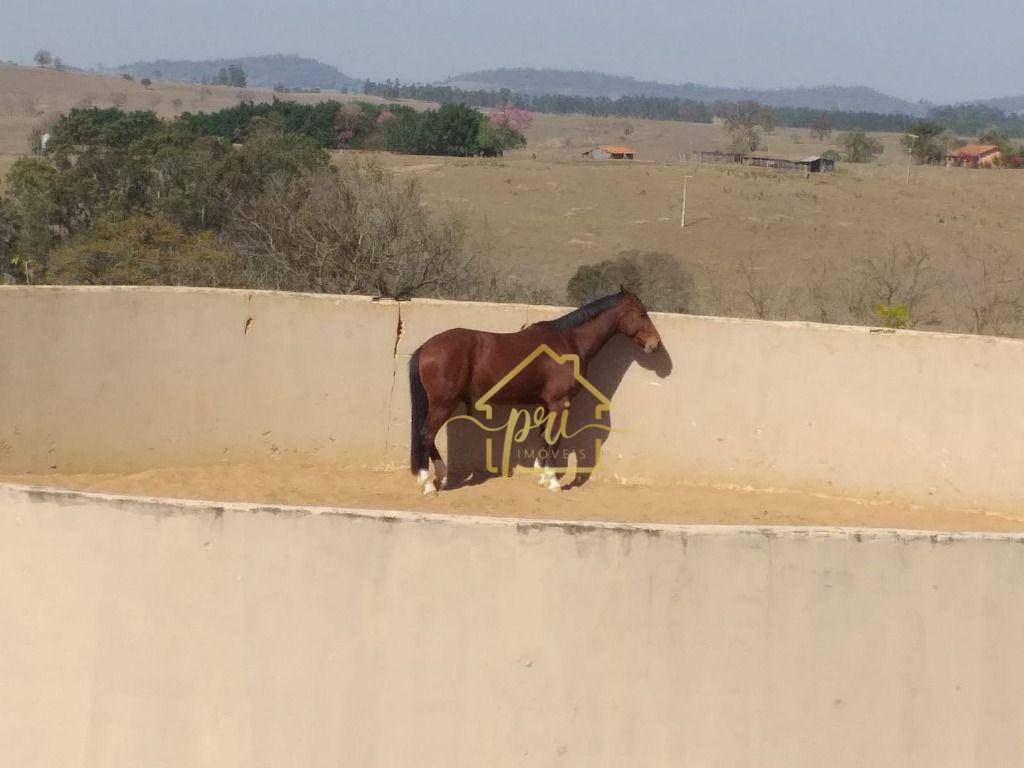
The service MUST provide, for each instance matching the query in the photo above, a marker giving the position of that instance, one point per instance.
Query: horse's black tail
(418, 457)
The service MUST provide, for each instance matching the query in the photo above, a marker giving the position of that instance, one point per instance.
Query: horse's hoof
(554, 486)
(444, 483)
(422, 477)
(428, 488)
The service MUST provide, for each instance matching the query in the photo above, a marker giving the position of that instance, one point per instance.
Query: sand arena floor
(323, 484)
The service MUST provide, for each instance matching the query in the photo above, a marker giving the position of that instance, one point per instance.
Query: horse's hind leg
(436, 418)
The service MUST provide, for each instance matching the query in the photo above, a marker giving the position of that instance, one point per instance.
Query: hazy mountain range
(299, 72)
(536, 82)
(261, 72)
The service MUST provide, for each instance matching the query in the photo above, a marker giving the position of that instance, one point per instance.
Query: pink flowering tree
(512, 117)
(504, 130)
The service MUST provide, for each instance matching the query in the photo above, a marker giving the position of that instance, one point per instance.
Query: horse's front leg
(548, 475)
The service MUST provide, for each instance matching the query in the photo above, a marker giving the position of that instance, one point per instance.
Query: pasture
(758, 243)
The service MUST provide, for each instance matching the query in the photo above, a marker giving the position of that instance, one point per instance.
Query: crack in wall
(249, 316)
(399, 331)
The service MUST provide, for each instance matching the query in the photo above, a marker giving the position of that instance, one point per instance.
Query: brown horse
(460, 365)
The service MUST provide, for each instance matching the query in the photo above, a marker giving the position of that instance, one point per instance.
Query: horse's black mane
(587, 312)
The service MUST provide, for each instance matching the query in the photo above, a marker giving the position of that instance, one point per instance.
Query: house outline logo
(482, 404)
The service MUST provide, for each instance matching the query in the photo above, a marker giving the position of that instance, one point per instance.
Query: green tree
(746, 121)
(185, 181)
(43, 58)
(451, 130)
(858, 147)
(269, 152)
(89, 127)
(493, 139)
(658, 278)
(232, 75)
(402, 133)
(31, 212)
(10, 231)
(141, 250)
(927, 141)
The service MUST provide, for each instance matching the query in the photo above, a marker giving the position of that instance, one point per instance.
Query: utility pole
(682, 218)
(910, 153)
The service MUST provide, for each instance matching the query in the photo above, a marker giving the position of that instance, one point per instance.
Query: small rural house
(817, 163)
(973, 156)
(609, 152)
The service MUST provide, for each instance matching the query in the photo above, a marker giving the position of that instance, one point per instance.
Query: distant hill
(537, 82)
(1007, 103)
(261, 72)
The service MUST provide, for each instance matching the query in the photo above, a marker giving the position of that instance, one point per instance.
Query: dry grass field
(778, 236)
(31, 96)
(565, 137)
(757, 242)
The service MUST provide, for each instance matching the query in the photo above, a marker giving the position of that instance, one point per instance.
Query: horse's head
(635, 323)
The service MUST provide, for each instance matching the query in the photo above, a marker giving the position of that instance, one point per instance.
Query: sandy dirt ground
(322, 484)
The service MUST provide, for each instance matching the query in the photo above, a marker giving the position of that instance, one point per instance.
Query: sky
(943, 51)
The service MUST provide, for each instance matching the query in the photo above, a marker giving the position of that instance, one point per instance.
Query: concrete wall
(140, 632)
(127, 378)
(143, 633)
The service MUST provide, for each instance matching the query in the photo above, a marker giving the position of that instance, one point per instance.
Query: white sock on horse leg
(441, 473)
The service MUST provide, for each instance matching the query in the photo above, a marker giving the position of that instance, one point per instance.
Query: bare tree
(766, 302)
(821, 128)
(822, 292)
(993, 292)
(900, 279)
(350, 230)
(43, 58)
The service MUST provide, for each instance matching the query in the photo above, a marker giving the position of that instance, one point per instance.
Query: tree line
(127, 198)
(453, 129)
(960, 118)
